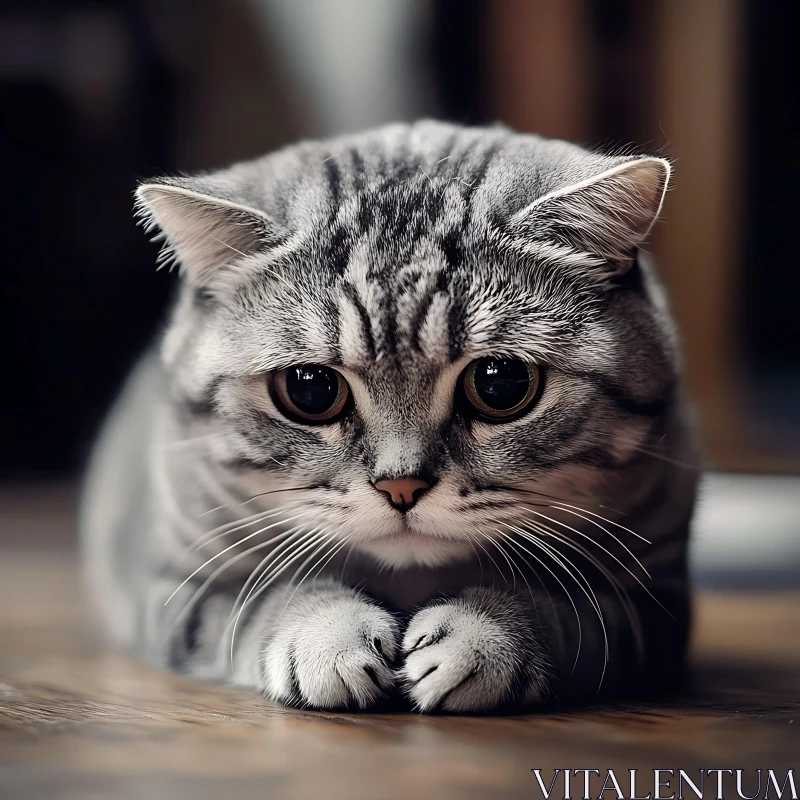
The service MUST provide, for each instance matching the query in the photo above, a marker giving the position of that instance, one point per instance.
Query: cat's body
(415, 536)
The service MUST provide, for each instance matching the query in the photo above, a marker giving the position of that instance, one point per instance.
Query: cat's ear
(201, 233)
(607, 216)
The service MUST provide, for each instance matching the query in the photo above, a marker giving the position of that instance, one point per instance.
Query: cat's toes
(459, 658)
(336, 657)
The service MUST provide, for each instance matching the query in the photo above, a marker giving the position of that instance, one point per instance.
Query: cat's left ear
(606, 216)
(202, 233)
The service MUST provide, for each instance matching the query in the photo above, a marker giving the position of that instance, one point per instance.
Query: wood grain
(79, 721)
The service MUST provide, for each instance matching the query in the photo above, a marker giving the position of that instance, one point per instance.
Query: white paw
(459, 658)
(332, 653)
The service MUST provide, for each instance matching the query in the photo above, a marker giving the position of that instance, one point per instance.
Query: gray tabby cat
(415, 424)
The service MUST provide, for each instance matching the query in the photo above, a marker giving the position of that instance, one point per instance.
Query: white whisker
(238, 524)
(561, 584)
(299, 535)
(227, 549)
(326, 540)
(266, 580)
(477, 558)
(511, 560)
(513, 576)
(583, 584)
(597, 544)
(618, 588)
(214, 575)
(253, 499)
(331, 555)
(609, 521)
(477, 541)
(589, 538)
(510, 541)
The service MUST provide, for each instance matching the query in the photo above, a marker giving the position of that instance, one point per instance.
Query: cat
(415, 430)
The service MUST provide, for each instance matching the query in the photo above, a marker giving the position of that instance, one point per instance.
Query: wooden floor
(77, 721)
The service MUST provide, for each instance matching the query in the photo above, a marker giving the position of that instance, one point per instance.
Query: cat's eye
(499, 389)
(310, 393)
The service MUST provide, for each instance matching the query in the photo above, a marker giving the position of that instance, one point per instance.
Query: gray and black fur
(548, 560)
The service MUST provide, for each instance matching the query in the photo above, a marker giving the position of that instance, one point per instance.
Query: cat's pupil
(311, 388)
(501, 383)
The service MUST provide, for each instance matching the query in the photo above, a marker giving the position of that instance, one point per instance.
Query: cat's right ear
(201, 233)
(606, 216)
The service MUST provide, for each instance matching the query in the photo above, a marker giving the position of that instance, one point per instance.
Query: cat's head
(414, 329)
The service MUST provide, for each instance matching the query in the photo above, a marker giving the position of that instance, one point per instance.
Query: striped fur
(548, 561)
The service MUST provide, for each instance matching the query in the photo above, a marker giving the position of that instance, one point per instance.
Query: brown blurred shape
(538, 51)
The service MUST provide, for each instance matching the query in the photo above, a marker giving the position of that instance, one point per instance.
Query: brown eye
(310, 393)
(501, 388)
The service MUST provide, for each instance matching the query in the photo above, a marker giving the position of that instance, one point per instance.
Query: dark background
(96, 96)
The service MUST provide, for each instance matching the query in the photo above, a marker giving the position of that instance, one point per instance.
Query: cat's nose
(402, 492)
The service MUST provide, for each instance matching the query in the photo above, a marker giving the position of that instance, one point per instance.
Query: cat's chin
(415, 550)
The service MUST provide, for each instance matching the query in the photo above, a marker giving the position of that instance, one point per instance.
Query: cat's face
(413, 332)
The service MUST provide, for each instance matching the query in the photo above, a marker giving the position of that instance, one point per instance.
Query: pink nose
(402, 492)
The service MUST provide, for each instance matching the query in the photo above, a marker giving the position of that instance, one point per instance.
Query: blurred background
(97, 95)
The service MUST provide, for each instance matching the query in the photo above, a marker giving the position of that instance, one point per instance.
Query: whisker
(609, 521)
(190, 604)
(566, 591)
(555, 554)
(597, 544)
(329, 557)
(510, 541)
(227, 549)
(181, 443)
(344, 565)
(326, 540)
(477, 541)
(210, 482)
(585, 587)
(277, 574)
(589, 538)
(477, 555)
(299, 536)
(619, 589)
(266, 580)
(510, 566)
(319, 567)
(518, 488)
(521, 572)
(559, 500)
(238, 524)
(502, 552)
(668, 459)
(256, 496)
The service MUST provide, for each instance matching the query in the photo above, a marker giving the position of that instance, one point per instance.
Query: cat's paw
(461, 657)
(335, 654)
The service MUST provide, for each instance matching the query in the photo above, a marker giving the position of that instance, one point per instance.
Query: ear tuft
(200, 233)
(607, 216)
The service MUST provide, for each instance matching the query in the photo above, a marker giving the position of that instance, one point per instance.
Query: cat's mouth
(410, 548)
(408, 542)
(407, 533)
